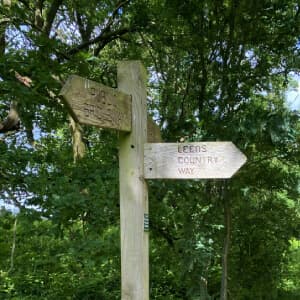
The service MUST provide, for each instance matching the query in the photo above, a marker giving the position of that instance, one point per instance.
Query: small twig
(4, 21)
(13, 247)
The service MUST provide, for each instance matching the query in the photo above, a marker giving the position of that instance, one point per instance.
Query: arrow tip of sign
(241, 158)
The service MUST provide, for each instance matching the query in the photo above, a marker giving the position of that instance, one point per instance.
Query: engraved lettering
(92, 91)
(198, 160)
(192, 148)
(186, 171)
(101, 98)
(89, 109)
(103, 110)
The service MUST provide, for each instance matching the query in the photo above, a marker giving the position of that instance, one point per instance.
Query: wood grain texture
(133, 188)
(192, 160)
(92, 103)
(153, 131)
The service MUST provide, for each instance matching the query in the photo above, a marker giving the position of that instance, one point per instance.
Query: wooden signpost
(192, 160)
(124, 109)
(133, 187)
(92, 103)
(142, 156)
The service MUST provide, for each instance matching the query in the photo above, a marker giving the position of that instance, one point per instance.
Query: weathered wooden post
(142, 156)
(123, 109)
(133, 188)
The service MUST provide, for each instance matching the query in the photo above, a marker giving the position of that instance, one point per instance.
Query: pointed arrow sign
(92, 103)
(192, 160)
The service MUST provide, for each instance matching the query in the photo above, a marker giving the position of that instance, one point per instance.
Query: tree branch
(119, 5)
(51, 16)
(12, 121)
(103, 39)
(226, 245)
(25, 3)
(79, 148)
(85, 31)
(13, 247)
(38, 19)
(4, 20)
(106, 34)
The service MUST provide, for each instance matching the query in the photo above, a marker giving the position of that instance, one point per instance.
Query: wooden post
(133, 188)
(126, 110)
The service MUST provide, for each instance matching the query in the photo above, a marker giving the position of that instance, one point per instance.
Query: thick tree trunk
(227, 224)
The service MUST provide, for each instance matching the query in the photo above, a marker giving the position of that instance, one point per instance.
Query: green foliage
(76, 265)
(218, 71)
(291, 272)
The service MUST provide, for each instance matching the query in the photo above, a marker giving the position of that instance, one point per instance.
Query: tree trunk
(226, 246)
(79, 147)
(3, 24)
(12, 121)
